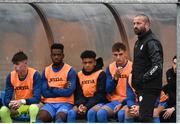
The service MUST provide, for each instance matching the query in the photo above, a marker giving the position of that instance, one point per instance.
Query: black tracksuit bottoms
(147, 107)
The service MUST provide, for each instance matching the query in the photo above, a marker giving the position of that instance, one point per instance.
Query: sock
(5, 115)
(129, 120)
(33, 111)
(91, 116)
(102, 115)
(71, 117)
(156, 119)
(121, 116)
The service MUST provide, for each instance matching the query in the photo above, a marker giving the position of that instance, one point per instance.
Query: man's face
(57, 56)
(21, 67)
(88, 64)
(120, 57)
(140, 25)
(174, 65)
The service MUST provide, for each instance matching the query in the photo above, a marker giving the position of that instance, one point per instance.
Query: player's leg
(61, 114)
(33, 111)
(92, 113)
(106, 111)
(5, 114)
(46, 113)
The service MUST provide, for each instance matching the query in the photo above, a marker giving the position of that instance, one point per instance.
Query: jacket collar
(144, 35)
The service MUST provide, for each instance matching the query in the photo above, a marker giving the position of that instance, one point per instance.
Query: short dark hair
(145, 17)
(174, 57)
(57, 46)
(18, 57)
(88, 54)
(118, 47)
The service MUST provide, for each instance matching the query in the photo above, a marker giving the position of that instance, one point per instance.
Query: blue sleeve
(8, 91)
(131, 97)
(164, 104)
(66, 92)
(110, 83)
(46, 91)
(36, 89)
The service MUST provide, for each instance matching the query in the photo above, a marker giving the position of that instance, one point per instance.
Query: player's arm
(36, 89)
(8, 91)
(110, 82)
(66, 92)
(156, 57)
(131, 97)
(46, 91)
(79, 96)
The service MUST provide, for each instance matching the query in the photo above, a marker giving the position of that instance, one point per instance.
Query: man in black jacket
(171, 73)
(147, 67)
(169, 114)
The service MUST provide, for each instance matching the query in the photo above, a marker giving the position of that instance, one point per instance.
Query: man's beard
(139, 31)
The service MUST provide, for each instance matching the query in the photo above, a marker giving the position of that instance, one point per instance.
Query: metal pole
(95, 1)
(178, 63)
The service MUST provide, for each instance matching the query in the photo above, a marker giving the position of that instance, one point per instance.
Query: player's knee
(5, 115)
(71, 117)
(62, 116)
(71, 113)
(33, 111)
(91, 113)
(4, 110)
(102, 112)
(44, 116)
(102, 115)
(33, 108)
(121, 115)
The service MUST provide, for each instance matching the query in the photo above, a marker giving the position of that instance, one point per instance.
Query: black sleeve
(165, 88)
(100, 94)
(170, 89)
(170, 76)
(1, 102)
(79, 97)
(156, 57)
